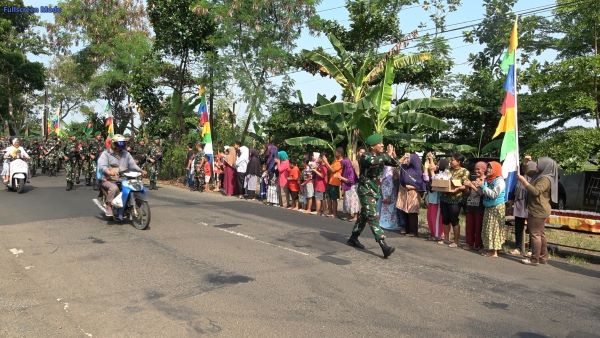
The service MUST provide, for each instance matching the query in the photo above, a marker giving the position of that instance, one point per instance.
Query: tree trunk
(247, 124)
(179, 113)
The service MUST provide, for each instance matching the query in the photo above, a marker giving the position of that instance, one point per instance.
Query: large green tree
(19, 77)
(115, 35)
(256, 40)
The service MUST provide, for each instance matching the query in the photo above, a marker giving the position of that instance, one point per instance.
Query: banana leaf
(424, 103)
(409, 60)
(492, 147)
(327, 66)
(344, 57)
(381, 97)
(308, 140)
(335, 108)
(421, 119)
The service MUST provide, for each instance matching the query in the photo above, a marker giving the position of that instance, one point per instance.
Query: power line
(523, 13)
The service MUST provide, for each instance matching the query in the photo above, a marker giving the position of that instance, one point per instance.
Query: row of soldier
(79, 157)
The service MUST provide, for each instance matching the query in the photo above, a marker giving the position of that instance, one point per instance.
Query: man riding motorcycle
(111, 162)
(12, 152)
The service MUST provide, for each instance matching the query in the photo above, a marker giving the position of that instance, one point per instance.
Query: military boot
(353, 241)
(387, 250)
(69, 185)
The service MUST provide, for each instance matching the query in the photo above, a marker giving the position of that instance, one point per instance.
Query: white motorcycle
(17, 173)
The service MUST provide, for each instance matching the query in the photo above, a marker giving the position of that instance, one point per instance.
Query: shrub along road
(216, 265)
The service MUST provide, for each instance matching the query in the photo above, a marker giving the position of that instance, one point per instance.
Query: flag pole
(518, 155)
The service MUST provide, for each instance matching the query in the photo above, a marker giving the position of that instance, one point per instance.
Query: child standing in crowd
(206, 172)
(308, 186)
(293, 185)
(474, 208)
(434, 217)
(494, 228)
(333, 185)
(320, 179)
(264, 183)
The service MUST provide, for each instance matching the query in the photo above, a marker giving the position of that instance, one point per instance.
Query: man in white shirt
(12, 151)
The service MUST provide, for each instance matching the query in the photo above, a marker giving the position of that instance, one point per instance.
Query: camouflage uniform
(70, 154)
(88, 162)
(151, 165)
(34, 153)
(50, 157)
(198, 170)
(139, 152)
(371, 168)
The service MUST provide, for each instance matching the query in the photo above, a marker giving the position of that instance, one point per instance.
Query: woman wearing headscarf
(411, 183)
(434, 216)
(283, 167)
(520, 206)
(230, 180)
(253, 172)
(349, 179)
(241, 165)
(474, 208)
(494, 229)
(542, 189)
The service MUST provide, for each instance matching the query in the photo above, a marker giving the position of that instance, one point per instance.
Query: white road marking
(16, 251)
(29, 267)
(258, 240)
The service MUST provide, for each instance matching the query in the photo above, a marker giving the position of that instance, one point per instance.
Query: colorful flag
(509, 153)
(109, 126)
(56, 122)
(204, 122)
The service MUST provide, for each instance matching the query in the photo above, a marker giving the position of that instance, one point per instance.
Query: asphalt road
(212, 265)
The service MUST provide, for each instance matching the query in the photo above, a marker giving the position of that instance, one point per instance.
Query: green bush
(571, 148)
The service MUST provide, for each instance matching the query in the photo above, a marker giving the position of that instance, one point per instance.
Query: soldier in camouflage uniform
(198, 165)
(151, 165)
(139, 151)
(160, 152)
(71, 157)
(34, 153)
(87, 160)
(371, 168)
(51, 153)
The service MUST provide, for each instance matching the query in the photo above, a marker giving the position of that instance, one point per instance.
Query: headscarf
(547, 167)
(231, 156)
(412, 174)
(531, 167)
(443, 165)
(348, 173)
(282, 155)
(254, 164)
(520, 190)
(270, 156)
(482, 166)
(496, 171)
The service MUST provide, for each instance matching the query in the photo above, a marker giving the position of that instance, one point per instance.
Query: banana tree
(362, 103)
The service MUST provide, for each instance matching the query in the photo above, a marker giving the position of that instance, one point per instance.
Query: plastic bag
(117, 202)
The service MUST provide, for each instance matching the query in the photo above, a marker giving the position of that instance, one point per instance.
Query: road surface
(217, 266)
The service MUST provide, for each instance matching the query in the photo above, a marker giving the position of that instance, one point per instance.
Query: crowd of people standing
(315, 185)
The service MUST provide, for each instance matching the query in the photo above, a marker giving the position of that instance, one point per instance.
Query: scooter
(131, 203)
(17, 173)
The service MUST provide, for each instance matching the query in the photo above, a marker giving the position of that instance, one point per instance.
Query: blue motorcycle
(131, 203)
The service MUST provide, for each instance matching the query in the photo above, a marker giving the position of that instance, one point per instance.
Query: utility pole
(45, 118)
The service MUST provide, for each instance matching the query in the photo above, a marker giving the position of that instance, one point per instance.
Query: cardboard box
(441, 185)
(444, 185)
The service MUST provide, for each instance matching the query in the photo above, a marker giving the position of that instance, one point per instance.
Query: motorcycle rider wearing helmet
(12, 152)
(111, 162)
